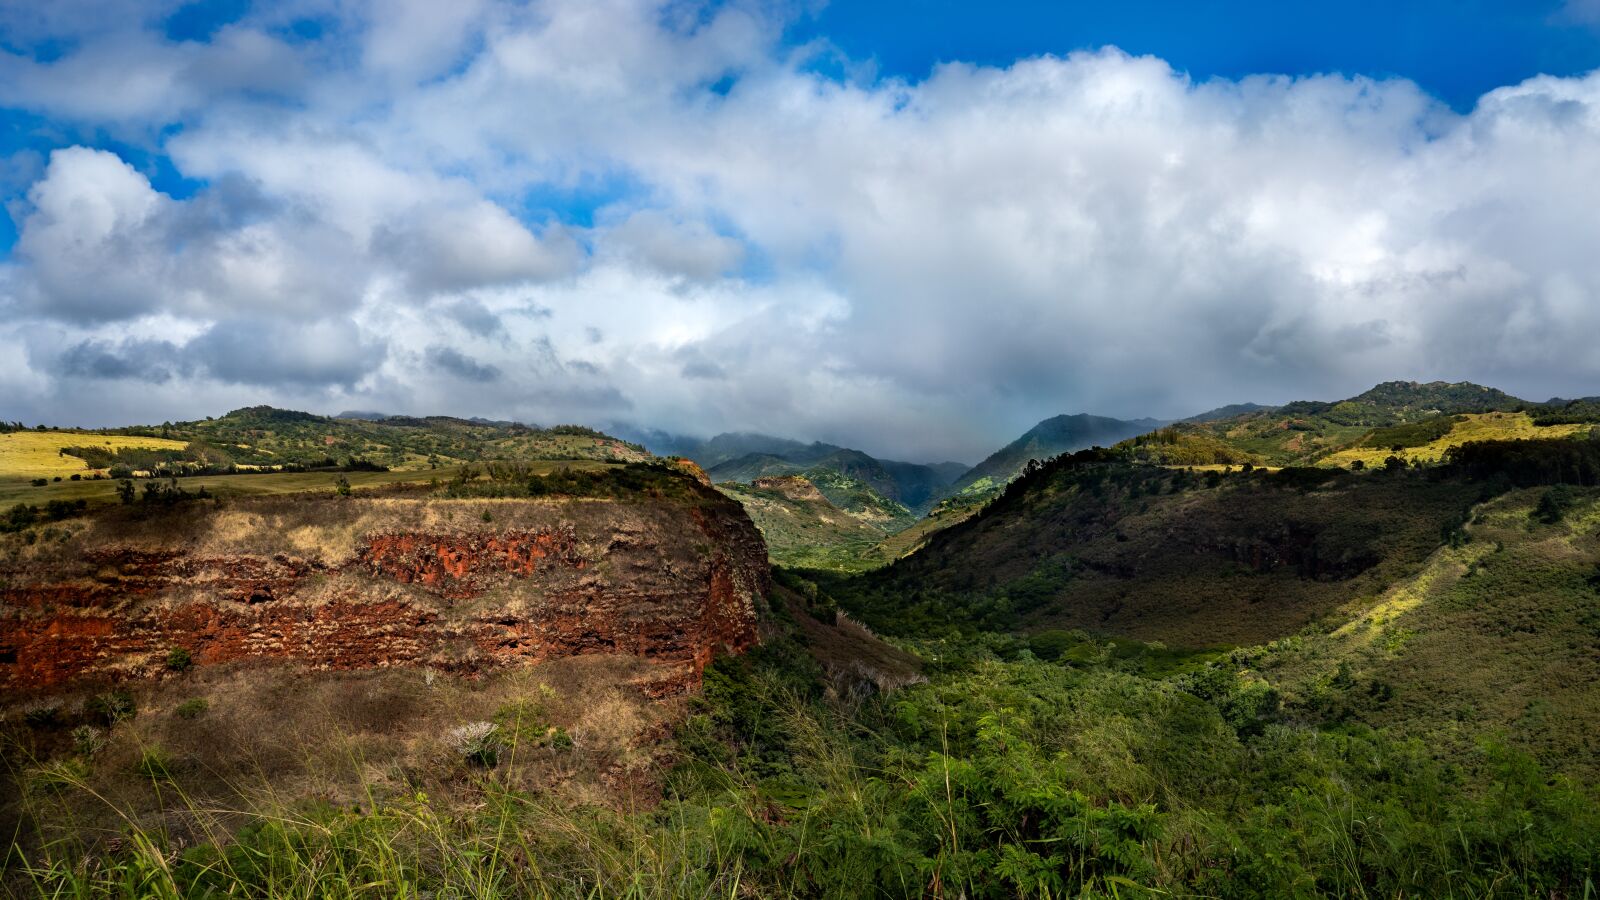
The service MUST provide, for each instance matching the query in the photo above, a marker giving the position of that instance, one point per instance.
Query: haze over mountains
(746, 456)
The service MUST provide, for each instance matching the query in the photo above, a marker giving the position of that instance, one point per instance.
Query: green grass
(994, 779)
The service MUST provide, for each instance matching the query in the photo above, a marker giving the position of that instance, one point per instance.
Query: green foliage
(1554, 504)
(1572, 412)
(1527, 463)
(1413, 434)
(193, 708)
(24, 515)
(179, 659)
(154, 763)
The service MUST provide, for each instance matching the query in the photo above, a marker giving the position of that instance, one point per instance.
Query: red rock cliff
(344, 583)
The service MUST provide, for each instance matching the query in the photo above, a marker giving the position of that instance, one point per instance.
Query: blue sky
(790, 218)
(1455, 49)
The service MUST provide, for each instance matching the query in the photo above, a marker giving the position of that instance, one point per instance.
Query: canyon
(401, 578)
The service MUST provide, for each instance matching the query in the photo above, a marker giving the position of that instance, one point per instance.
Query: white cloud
(921, 268)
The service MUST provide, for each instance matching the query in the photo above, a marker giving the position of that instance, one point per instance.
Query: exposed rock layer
(343, 583)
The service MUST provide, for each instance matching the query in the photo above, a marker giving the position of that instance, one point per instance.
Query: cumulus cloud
(920, 268)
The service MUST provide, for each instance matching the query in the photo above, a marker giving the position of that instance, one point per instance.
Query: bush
(42, 714)
(154, 763)
(179, 660)
(477, 743)
(112, 707)
(192, 708)
(88, 740)
(1554, 505)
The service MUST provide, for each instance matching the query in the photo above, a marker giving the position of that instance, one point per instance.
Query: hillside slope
(1165, 556)
(1311, 432)
(1051, 437)
(1496, 635)
(804, 529)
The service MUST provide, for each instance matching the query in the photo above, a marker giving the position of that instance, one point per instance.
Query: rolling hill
(916, 486)
(1365, 427)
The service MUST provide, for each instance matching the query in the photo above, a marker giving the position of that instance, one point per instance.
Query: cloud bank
(611, 211)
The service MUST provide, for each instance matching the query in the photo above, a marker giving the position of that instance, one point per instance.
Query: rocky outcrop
(794, 487)
(344, 583)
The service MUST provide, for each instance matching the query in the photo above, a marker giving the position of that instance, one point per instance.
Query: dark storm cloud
(136, 360)
(453, 362)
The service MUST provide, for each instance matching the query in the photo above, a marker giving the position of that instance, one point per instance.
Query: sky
(915, 228)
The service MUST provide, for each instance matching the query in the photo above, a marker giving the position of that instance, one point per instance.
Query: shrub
(112, 707)
(42, 714)
(1553, 505)
(154, 763)
(477, 743)
(192, 708)
(40, 482)
(341, 486)
(179, 660)
(88, 740)
(522, 725)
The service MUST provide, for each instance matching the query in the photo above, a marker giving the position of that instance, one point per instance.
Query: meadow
(1493, 426)
(37, 454)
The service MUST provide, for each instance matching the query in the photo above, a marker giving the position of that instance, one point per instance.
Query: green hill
(1158, 554)
(1052, 437)
(1307, 432)
(915, 486)
(804, 529)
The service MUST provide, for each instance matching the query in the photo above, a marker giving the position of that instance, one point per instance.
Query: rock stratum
(359, 582)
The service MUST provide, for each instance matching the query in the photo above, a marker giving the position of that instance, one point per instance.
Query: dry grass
(36, 454)
(275, 735)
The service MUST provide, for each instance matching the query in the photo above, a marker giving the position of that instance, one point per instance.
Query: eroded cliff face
(345, 583)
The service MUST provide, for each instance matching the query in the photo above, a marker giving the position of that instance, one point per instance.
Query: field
(20, 490)
(1494, 426)
(36, 454)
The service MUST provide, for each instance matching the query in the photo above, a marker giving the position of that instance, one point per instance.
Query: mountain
(745, 457)
(1232, 410)
(1392, 414)
(1051, 437)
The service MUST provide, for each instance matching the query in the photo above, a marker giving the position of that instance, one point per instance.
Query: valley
(1317, 649)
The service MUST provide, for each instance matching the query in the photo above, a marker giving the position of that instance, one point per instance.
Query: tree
(125, 491)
